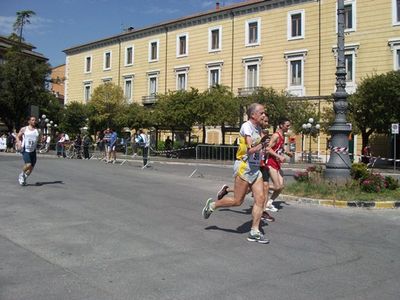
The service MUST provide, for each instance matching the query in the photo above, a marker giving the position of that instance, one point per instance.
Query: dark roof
(6, 43)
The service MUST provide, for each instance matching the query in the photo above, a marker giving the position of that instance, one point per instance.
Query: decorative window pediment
(302, 54)
(347, 48)
(252, 59)
(215, 64)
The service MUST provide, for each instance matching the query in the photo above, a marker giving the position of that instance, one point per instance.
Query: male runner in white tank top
(27, 140)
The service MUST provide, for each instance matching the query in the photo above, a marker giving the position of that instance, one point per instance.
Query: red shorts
(273, 163)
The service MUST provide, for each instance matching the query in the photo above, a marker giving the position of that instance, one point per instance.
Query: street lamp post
(46, 125)
(338, 166)
(311, 130)
(42, 123)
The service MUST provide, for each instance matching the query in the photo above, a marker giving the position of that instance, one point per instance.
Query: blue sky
(61, 24)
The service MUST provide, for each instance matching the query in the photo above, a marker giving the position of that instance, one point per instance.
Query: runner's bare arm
(252, 149)
(272, 143)
(19, 138)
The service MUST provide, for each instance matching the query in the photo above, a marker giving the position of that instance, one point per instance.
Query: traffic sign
(395, 128)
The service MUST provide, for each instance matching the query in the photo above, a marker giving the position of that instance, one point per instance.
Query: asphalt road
(88, 230)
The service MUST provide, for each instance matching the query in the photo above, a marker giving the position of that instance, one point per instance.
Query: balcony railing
(149, 99)
(244, 92)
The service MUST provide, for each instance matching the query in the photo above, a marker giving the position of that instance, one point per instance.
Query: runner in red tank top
(275, 160)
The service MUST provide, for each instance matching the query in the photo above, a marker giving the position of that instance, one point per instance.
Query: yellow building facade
(287, 44)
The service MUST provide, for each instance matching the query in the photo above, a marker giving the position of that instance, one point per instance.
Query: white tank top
(30, 140)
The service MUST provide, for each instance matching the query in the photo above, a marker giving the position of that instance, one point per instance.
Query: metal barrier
(216, 152)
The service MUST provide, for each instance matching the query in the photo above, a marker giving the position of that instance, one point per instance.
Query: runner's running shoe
(22, 179)
(271, 207)
(257, 237)
(222, 192)
(207, 211)
(266, 217)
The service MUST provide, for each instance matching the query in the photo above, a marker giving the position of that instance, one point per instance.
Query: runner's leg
(277, 181)
(240, 190)
(259, 199)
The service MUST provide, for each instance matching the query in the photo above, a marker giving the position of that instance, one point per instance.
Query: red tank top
(278, 148)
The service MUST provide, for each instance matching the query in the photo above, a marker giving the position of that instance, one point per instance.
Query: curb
(343, 204)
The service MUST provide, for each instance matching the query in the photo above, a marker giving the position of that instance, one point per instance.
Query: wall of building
(58, 76)
(369, 42)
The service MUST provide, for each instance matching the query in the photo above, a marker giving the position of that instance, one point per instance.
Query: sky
(62, 24)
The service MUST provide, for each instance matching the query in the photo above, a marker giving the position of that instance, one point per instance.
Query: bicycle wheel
(70, 152)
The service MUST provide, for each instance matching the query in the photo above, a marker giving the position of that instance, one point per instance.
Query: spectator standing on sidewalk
(106, 139)
(168, 146)
(134, 144)
(60, 145)
(78, 145)
(111, 145)
(10, 142)
(3, 142)
(100, 143)
(144, 142)
(87, 141)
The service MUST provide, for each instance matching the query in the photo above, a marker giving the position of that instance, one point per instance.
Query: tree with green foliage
(137, 116)
(217, 106)
(375, 105)
(23, 17)
(279, 105)
(51, 107)
(75, 115)
(22, 83)
(327, 117)
(107, 107)
(204, 109)
(174, 110)
(299, 111)
(275, 103)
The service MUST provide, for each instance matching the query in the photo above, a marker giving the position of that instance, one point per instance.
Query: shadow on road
(45, 183)
(244, 228)
(244, 211)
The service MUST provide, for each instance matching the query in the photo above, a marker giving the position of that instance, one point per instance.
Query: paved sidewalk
(300, 166)
(197, 169)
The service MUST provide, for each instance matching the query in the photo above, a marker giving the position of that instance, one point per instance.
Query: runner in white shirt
(27, 140)
(247, 173)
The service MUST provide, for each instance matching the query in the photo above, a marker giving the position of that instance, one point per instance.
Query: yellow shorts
(247, 172)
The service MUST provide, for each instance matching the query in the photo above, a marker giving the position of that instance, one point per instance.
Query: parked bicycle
(73, 152)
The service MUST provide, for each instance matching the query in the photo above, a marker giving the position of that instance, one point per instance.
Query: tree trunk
(365, 134)
(223, 133)
(9, 125)
(156, 142)
(204, 133)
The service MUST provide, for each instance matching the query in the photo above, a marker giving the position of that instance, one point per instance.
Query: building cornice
(227, 12)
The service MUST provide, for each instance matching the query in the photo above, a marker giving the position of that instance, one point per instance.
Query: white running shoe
(271, 207)
(22, 179)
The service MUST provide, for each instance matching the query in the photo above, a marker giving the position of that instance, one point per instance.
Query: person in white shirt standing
(27, 140)
(143, 141)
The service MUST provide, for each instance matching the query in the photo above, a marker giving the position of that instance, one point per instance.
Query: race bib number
(254, 159)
